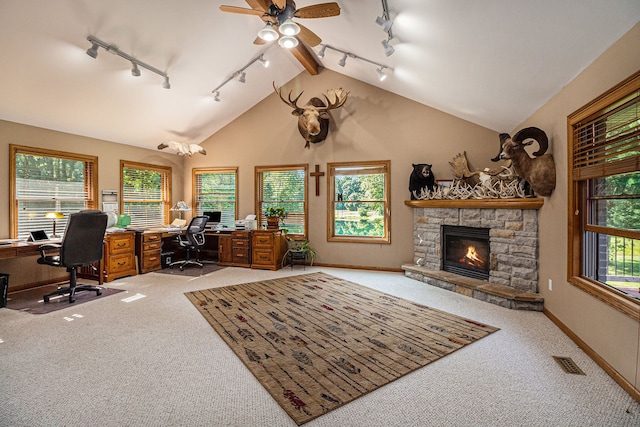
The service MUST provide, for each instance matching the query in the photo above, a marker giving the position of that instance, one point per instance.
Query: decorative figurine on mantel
(421, 178)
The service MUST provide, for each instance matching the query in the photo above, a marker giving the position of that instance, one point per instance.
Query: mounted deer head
(313, 118)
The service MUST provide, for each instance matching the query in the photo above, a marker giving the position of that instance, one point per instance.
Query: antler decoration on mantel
(182, 148)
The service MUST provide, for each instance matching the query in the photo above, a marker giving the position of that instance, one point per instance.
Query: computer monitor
(214, 216)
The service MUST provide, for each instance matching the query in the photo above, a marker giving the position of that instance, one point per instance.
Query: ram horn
(533, 133)
(503, 137)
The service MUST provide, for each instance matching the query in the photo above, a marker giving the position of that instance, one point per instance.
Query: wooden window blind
(146, 193)
(49, 181)
(216, 189)
(283, 186)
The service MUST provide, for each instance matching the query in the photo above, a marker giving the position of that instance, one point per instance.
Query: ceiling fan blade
(242, 10)
(322, 10)
(280, 4)
(259, 41)
(308, 37)
(262, 5)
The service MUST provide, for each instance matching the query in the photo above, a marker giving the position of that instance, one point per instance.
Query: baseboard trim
(359, 267)
(615, 375)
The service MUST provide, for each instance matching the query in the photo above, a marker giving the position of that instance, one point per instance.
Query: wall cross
(317, 174)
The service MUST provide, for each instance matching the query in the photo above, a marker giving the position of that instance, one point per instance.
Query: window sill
(610, 297)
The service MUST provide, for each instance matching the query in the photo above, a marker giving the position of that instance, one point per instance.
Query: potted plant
(274, 216)
(299, 250)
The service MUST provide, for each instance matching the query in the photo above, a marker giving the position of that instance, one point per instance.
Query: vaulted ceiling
(492, 62)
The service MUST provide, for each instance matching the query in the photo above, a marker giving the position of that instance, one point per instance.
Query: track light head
(135, 71)
(288, 42)
(268, 33)
(381, 75)
(216, 96)
(321, 53)
(166, 84)
(343, 61)
(93, 50)
(289, 28)
(242, 77)
(384, 23)
(264, 62)
(388, 49)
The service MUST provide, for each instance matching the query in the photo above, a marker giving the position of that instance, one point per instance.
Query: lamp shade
(54, 215)
(181, 206)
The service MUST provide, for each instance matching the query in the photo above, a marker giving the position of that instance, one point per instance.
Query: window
(604, 220)
(283, 186)
(359, 203)
(216, 189)
(49, 181)
(146, 193)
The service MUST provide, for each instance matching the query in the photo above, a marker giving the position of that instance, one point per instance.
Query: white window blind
(145, 194)
(47, 181)
(216, 190)
(283, 186)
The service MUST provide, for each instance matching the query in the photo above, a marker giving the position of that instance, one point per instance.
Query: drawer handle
(121, 244)
(153, 237)
(153, 259)
(122, 263)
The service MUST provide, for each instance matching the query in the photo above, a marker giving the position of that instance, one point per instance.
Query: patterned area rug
(317, 342)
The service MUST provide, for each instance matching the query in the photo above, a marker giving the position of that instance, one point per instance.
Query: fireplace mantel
(524, 203)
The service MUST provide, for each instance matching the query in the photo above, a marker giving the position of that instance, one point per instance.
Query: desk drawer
(120, 244)
(151, 237)
(152, 260)
(240, 243)
(120, 263)
(241, 255)
(264, 240)
(262, 256)
(151, 246)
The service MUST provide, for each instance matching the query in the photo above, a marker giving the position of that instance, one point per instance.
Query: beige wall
(109, 155)
(373, 125)
(610, 334)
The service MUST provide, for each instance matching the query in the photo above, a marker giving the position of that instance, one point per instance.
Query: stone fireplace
(485, 249)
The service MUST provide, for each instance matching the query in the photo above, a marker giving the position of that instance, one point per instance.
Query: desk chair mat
(191, 270)
(30, 300)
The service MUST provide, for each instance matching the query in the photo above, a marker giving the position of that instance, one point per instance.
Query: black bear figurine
(421, 177)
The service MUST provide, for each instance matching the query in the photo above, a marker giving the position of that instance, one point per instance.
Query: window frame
(195, 172)
(259, 211)
(166, 191)
(90, 183)
(578, 196)
(376, 164)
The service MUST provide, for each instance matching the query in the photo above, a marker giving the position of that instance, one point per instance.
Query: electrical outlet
(550, 284)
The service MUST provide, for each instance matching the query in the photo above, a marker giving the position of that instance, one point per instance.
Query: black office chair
(193, 239)
(81, 246)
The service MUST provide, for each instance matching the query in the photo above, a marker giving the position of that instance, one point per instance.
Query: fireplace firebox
(465, 251)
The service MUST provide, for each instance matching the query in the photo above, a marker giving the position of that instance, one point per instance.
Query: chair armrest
(48, 247)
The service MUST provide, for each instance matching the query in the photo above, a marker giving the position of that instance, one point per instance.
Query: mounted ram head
(540, 170)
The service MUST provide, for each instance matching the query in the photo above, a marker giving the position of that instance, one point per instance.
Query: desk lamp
(54, 216)
(181, 206)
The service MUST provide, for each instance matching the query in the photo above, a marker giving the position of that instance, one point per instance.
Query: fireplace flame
(472, 258)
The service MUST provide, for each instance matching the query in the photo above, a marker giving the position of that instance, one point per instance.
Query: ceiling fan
(277, 15)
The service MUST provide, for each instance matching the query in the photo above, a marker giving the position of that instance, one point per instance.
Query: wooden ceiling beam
(302, 54)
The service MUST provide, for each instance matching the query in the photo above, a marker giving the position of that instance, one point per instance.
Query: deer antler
(338, 98)
(293, 103)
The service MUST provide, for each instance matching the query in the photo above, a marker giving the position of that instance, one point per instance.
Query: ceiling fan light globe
(289, 28)
(288, 42)
(268, 34)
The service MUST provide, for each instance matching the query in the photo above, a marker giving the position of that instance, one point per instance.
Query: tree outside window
(359, 202)
(146, 193)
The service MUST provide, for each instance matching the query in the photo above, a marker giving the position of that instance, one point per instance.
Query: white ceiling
(492, 62)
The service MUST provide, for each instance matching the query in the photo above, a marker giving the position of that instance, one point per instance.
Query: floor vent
(568, 365)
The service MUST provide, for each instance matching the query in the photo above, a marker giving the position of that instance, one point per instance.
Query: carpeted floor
(30, 300)
(317, 342)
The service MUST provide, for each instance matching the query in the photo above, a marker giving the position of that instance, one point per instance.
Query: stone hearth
(513, 238)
